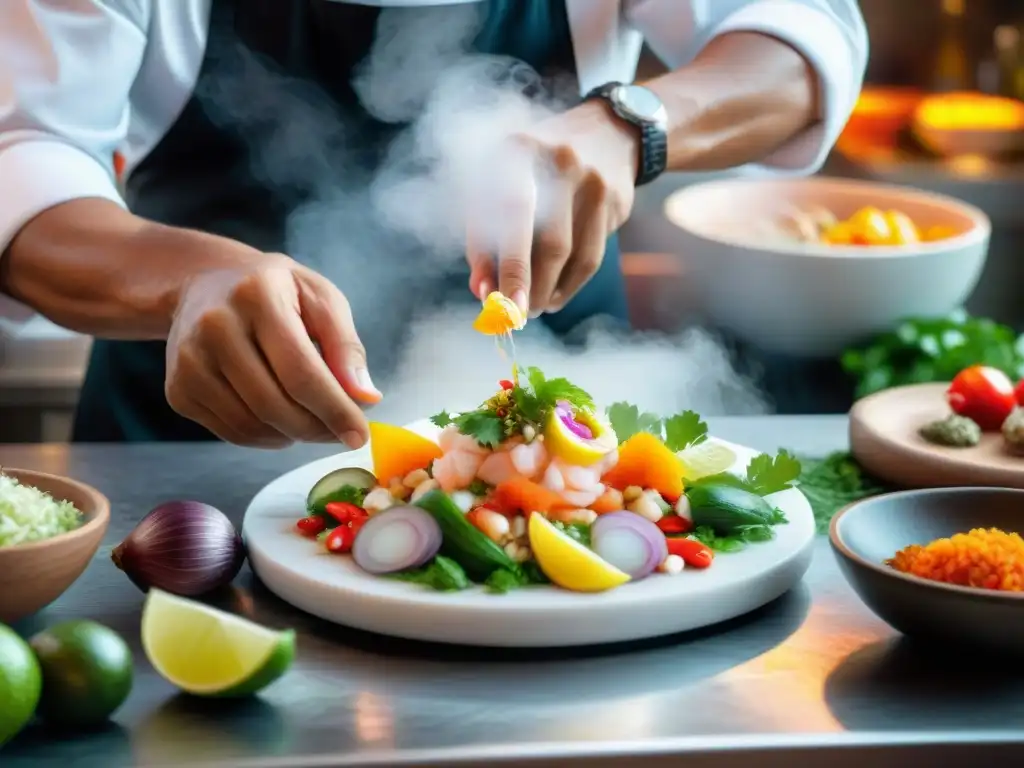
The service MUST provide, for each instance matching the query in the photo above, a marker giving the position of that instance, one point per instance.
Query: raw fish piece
(529, 459)
(579, 478)
(451, 439)
(456, 470)
(553, 479)
(497, 468)
(582, 499)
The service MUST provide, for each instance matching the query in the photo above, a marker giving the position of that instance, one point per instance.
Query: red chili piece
(344, 511)
(356, 523)
(1019, 393)
(340, 539)
(506, 384)
(694, 554)
(670, 524)
(311, 526)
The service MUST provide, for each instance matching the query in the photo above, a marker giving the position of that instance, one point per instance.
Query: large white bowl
(815, 300)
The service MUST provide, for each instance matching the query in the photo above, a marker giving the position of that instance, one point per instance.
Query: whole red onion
(184, 547)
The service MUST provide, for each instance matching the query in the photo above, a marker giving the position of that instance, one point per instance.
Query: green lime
(207, 652)
(87, 673)
(20, 684)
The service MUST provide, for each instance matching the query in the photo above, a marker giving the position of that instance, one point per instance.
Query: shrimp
(456, 469)
(529, 459)
(579, 478)
(451, 439)
(553, 478)
(497, 468)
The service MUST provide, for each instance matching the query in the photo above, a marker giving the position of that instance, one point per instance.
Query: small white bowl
(814, 300)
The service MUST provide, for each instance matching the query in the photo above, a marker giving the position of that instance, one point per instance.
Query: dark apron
(275, 121)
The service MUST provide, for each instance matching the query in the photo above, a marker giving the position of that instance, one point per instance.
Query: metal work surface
(812, 679)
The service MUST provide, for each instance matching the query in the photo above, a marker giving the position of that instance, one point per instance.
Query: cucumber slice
(338, 486)
(726, 508)
(463, 543)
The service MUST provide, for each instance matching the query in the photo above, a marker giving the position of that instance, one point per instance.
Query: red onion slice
(631, 543)
(564, 412)
(396, 539)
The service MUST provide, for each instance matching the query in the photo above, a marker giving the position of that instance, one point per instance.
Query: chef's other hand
(267, 354)
(567, 185)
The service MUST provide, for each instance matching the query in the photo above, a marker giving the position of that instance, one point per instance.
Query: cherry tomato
(1019, 393)
(311, 526)
(982, 394)
(340, 539)
(357, 523)
(670, 524)
(344, 511)
(694, 554)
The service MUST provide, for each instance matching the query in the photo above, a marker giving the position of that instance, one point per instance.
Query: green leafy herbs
(442, 574)
(483, 425)
(833, 482)
(736, 541)
(921, 350)
(479, 488)
(441, 420)
(679, 432)
(627, 420)
(548, 392)
(766, 474)
(576, 531)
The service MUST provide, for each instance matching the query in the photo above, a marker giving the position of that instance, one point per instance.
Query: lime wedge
(207, 652)
(705, 459)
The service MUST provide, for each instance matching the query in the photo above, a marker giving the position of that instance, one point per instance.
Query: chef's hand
(566, 186)
(243, 357)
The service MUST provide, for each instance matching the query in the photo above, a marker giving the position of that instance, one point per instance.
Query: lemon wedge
(498, 316)
(568, 563)
(572, 448)
(705, 459)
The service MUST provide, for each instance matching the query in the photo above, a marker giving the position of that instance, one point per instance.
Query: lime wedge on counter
(207, 652)
(20, 684)
(705, 459)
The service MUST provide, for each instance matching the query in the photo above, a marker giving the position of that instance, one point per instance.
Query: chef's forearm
(745, 95)
(95, 268)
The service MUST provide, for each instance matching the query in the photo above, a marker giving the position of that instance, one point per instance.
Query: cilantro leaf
(479, 488)
(766, 474)
(626, 420)
(685, 429)
(483, 426)
(441, 420)
(442, 574)
(550, 391)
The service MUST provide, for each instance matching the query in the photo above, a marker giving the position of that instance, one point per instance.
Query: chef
(211, 319)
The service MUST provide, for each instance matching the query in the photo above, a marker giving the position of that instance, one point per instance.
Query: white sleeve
(66, 69)
(830, 34)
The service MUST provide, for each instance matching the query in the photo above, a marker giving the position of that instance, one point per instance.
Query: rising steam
(393, 239)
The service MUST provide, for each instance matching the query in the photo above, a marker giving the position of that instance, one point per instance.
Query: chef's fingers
(482, 274)
(283, 333)
(589, 243)
(516, 219)
(199, 393)
(552, 244)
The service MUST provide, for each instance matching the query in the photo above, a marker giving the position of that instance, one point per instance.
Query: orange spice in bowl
(981, 558)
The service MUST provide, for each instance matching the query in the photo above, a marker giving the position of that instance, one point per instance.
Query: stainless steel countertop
(813, 671)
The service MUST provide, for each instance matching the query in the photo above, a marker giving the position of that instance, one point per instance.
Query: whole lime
(87, 673)
(20, 684)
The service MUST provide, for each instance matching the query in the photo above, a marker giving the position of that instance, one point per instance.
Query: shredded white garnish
(28, 514)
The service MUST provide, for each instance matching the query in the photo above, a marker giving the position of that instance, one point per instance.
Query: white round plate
(299, 571)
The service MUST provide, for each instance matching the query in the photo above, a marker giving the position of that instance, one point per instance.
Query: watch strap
(653, 138)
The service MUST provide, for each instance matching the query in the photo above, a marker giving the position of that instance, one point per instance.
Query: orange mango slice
(522, 495)
(645, 461)
(499, 315)
(397, 451)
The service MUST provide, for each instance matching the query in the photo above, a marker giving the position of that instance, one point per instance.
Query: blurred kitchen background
(918, 47)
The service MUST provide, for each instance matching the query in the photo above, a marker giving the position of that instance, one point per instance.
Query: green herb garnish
(679, 432)
(734, 542)
(502, 581)
(483, 426)
(921, 350)
(578, 532)
(442, 574)
(479, 488)
(441, 420)
(833, 482)
(627, 420)
(767, 475)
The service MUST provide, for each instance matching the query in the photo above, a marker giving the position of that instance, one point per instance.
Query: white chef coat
(83, 79)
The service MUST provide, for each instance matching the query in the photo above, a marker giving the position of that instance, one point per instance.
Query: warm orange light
(967, 111)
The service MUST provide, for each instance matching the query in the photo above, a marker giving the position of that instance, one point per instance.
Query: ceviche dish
(539, 485)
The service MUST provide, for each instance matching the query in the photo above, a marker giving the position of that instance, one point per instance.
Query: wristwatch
(640, 107)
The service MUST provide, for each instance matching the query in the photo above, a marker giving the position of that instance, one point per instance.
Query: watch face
(639, 101)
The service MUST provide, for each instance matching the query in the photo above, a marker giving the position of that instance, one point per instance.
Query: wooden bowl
(33, 575)
(867, 533)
